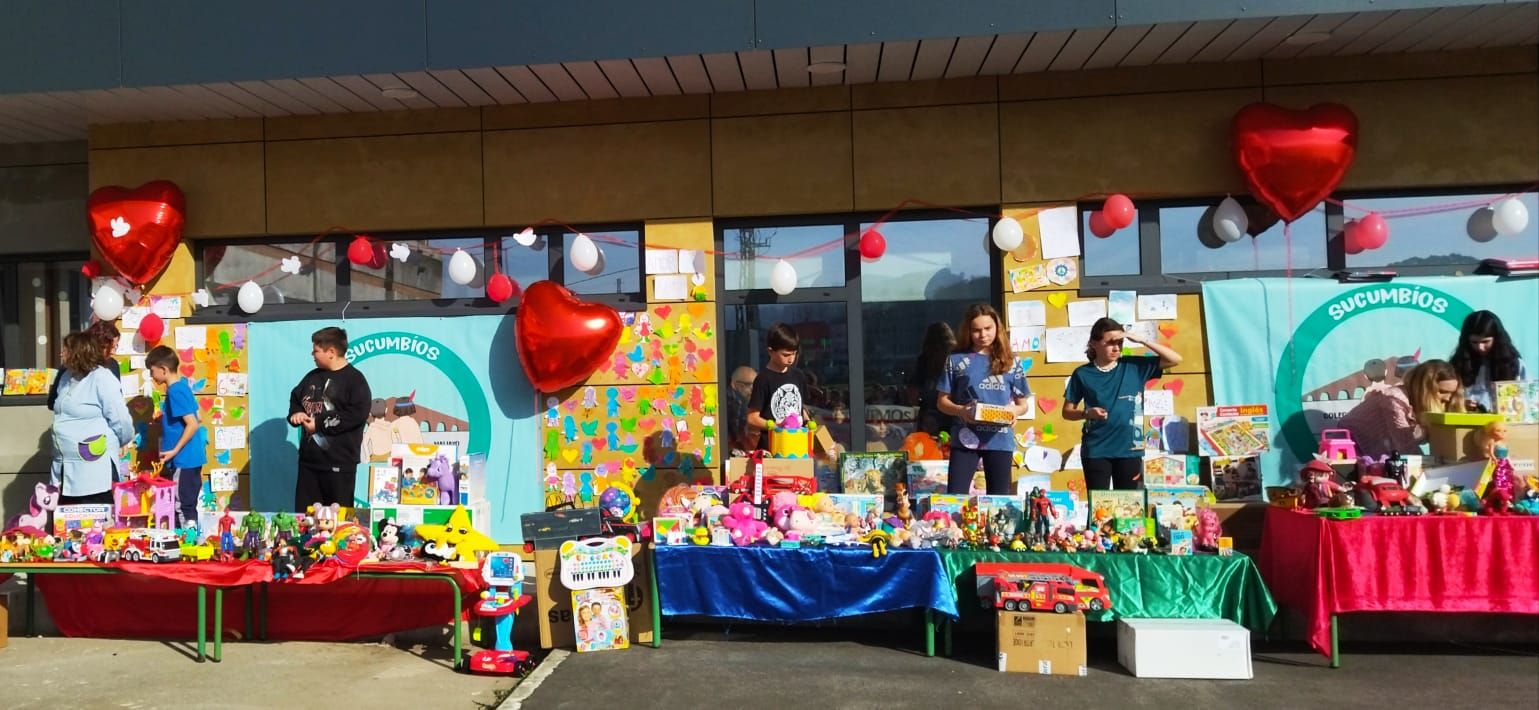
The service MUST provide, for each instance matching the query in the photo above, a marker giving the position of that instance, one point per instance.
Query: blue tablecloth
(809, 584)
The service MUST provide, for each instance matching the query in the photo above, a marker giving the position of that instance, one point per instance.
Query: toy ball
(616, 502)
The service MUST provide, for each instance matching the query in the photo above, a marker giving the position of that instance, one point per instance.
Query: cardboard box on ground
(1044, 644)
(554, 600)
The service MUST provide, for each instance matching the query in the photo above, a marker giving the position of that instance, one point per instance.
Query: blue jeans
(189, 485)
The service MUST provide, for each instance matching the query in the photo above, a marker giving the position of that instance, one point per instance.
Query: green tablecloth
(1142, 586)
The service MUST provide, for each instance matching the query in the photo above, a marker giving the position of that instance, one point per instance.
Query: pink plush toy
(792, 519)
(1208, 530)
(745, 529)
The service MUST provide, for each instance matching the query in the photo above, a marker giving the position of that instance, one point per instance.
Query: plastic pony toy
(441, 473)
(45, 499)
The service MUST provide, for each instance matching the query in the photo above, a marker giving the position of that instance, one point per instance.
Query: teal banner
(453, 381)
(1311, 348)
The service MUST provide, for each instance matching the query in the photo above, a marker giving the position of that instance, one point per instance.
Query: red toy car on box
(1060, 588)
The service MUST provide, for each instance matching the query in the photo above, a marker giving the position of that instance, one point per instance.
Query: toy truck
(1058, 588)
(153, 545)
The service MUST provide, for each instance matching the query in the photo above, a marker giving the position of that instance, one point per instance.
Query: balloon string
(1434, 209)
(1288, 275)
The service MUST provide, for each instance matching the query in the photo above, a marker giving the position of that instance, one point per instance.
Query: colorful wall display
(452, 381)
(1313, 348)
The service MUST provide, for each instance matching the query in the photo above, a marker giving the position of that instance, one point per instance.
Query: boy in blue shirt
(182, 439)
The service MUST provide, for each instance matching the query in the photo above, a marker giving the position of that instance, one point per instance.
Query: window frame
(1152, 278)
(849, 293)
(10, 315)
(491, 239)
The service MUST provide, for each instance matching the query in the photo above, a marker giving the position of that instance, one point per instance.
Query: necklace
(1106, 368)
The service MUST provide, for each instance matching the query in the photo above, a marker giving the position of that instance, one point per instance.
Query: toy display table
(808, 584)
(1141, 586)
(1323, 568)
(90, 600)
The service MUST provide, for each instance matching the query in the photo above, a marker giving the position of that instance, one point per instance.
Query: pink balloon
(1099, 227)
(1372, 231)
(872, 244)
(1119, 211)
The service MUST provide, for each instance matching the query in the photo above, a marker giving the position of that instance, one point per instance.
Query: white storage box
(1184, 648)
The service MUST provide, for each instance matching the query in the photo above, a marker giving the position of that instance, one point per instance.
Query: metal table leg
(202, 620)
(929, 633)
(1335, 648)
(218, 624)
(31, 604)
(657, 605)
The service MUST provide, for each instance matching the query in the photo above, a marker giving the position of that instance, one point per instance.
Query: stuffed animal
(743, 526)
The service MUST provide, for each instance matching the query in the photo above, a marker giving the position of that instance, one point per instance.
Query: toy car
(1059, 588)
(153, 545)
(1339, 513)
(1390, 497)
(197, 553)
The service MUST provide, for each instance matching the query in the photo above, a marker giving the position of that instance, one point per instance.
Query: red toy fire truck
(1058, 588)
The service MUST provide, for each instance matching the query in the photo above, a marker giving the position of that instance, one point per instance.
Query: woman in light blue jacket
(91, 424)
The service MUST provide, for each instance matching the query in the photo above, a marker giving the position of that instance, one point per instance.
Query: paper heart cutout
(188, 370)
(1169, 331)
(1175, 386)
(663, 311)
(696, 309)
(560, 340)
(1058, 299)
(647, 424)
(1046, 404)
(206, 403)
(1294, 159)
(137, 230)
(598, 444)
(705, 353)
(568, 456)
(1152, 384)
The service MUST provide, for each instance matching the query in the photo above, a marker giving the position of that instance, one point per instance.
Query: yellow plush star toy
(456, 541)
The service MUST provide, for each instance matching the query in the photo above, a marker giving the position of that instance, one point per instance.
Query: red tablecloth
(1388, 563)
(329, 604)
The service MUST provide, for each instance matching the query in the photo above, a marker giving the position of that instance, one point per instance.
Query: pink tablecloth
(1324, 567)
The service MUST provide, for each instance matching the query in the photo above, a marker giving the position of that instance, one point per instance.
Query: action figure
(972, 524)
(1041, 516)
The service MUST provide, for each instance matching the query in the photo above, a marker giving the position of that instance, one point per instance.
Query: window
(424, 275)
(861, 323)
(619, 269)
(526, 264)
(42, 299)
(1457, 238)
(227, 266)
(1188, 245)
(1115, 255)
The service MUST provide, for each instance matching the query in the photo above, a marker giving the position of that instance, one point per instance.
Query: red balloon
(137, 230)
(500, 288)
(872, 244)
(361, 251)
(1098, 225)
(91, 269)
(1352, 238)
(1118, 211)
(561, 340)
(1372, 231)
(377, 259)
(152, 328)
(1293, 159)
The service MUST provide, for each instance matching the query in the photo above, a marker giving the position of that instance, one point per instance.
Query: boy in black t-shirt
(779, 388)
(331, 407)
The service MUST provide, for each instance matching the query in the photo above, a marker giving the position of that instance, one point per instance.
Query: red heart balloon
(561, 340)
(137, 230)
(1293, 159)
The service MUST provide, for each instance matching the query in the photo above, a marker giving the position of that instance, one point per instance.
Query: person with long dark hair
(981, 371)
(1485, 354)
(1107, 395)
(939, 342)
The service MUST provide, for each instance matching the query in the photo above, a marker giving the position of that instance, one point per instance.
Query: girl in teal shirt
(1106, 393)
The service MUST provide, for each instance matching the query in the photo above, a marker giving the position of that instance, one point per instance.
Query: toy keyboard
(596, 562)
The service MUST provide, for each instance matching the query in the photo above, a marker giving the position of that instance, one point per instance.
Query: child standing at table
(182, 438)
(1105, 394)
(779, 389)
(981, 371)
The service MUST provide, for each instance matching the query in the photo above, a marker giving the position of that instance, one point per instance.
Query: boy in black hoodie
(331, 408)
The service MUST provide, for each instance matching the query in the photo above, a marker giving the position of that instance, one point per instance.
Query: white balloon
(598, 268)
(1008, 234)
(1230, 221)
(107, 304)
(584, 253)
(462, 268)
(250, 297)
(1509, 216)
(783, 277)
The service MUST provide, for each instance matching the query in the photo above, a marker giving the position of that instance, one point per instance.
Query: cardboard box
(993, 414)
(1462, 442)
(1184, 648)
(480, 515)
(801, 468)
(1045, 644)
(554, 601)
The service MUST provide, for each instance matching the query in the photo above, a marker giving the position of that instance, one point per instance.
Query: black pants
(320, 484)
(964, 463)
(189, 486)
(1127, 473)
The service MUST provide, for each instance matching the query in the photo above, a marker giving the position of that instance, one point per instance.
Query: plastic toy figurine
(1499, 493)
(45, 498)
(253, 536)
(325, 520)
(285, 526)
(1320, 488)
(503, 573)
(441, 473)
(43, 548)
(1206, 535)
(972, 524)
(287, 562)
(1395, 467)
(1492, 436)
(900, 494)
(1337, 445)
(226, 536)
(390, 549)
(1041, 515)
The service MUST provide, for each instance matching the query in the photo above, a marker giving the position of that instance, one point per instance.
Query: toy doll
(1499, 493)
(325, 521)
(1320, 490)
(1205, 536)
(1492, 437)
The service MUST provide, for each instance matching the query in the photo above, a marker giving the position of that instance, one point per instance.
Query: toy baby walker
(504, 573)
